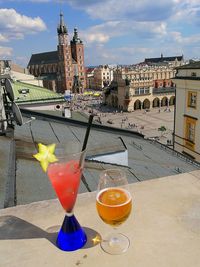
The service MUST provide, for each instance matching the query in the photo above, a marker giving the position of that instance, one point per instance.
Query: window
(190, 124)
(192, 99)
(141, 91)
(191, 131)
(23, 91)
(193, 74)
(137, 91)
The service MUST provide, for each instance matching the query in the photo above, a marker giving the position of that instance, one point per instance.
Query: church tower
(61, 69)
(77, 49)
(65, 77)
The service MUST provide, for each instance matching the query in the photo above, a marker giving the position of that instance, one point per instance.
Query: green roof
(27, 93)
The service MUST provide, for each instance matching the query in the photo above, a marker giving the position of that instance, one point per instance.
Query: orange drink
(114, 205)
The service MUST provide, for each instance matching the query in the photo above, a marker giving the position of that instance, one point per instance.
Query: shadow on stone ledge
(12, 227)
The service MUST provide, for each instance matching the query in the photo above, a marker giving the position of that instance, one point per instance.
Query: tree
(162, 129)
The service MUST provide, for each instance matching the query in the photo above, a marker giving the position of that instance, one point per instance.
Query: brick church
(62, 69)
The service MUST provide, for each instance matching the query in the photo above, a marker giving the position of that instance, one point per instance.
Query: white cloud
(151, 28)
(3, 38)
(186, 11)
(104, 32)
(118, 9)
(5, 51)
(33, 1)
(142, 10)
(22, 61)
(133, 50)
(100, 33)
(188, 40)
(134, 29)
(97, 37)
(15, 26)
(122, 55)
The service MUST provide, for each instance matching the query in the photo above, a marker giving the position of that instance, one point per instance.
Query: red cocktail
(65, 176)
(65, 179)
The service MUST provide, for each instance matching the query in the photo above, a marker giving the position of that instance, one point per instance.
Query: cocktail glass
(65, 175)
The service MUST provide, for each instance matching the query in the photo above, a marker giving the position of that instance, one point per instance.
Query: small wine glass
(114, 203)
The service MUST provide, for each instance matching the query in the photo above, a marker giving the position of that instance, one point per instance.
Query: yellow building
(187, 111)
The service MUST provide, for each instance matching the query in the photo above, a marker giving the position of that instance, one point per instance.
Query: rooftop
(27, 93)
(24, 182)
(46, 57)
(163, 59)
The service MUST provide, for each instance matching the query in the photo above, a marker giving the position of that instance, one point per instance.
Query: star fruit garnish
(45, 155)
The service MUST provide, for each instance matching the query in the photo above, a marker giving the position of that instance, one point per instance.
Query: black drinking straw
(87, 132)
(84, 147)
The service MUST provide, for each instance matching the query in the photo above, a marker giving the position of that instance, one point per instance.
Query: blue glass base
(71, 236)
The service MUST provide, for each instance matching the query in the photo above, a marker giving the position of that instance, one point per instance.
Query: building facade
(90, 84)
(99, 77)
(103, 75)
(141, 87)
(6, 66)
(61, 68)
(187, 110)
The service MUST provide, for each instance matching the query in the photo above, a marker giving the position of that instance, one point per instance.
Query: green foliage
(162, 129)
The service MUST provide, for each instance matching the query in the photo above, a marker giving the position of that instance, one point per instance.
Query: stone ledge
(164, 228)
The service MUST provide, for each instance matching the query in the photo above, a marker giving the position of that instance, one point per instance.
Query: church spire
(62, 29)
(76, 38)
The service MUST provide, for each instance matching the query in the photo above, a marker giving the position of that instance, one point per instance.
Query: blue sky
(113, 31)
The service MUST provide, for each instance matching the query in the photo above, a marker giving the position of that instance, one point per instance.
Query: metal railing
(163, 90)
(176, 153)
